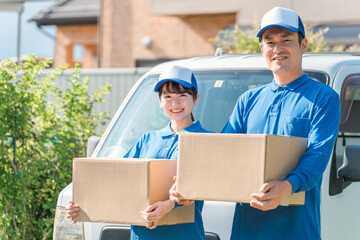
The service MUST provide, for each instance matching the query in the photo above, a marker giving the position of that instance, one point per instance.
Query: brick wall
(125, 23)
(116, 33)
(68, 36)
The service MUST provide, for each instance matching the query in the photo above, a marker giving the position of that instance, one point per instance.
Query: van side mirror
(91, 145)
(350, 170)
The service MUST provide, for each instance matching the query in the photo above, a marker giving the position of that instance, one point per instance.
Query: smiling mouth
(177, 111)
(279, 58)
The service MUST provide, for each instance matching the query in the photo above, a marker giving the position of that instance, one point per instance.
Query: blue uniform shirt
(163, 144)
(303, 108)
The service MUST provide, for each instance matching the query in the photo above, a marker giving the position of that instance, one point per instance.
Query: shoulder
(321, 95)
(312, 83)
(202, 130)
(196, 127)
(150, 135)
(258, 89)
(253, 94)
(321, 89)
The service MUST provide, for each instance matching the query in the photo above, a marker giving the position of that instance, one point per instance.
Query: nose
(175, 101)
(278, 47)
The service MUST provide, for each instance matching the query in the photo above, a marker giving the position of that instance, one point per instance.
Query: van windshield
(219, 91)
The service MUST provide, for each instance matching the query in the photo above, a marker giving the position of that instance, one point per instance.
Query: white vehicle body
(340, 210)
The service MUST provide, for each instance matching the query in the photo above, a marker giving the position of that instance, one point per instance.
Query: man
(295, 105)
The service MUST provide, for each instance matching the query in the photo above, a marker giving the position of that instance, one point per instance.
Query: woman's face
(177, 106)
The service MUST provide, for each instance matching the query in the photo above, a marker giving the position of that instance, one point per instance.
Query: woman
(178, 94)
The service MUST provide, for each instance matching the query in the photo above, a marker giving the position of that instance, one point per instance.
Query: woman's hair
(173, 87)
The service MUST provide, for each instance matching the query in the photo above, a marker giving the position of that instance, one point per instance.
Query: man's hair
(300, 37)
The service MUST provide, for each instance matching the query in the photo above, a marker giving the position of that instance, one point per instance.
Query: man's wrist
(288, 189)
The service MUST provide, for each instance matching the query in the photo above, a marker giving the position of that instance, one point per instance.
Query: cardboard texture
(116, 190)
(229, 167)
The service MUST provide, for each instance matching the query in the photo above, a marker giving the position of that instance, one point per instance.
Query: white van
(221, 80)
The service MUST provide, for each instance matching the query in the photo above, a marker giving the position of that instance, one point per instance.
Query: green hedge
(38, 139)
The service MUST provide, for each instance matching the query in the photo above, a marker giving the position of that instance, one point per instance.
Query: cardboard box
(116, 190)
(229, 167)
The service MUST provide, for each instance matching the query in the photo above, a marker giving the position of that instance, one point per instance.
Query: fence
(121, 79)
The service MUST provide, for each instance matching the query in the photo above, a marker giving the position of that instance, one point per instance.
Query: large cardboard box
(229, 167)
(116, 190)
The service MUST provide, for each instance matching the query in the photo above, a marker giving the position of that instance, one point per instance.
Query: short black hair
(301, 37)
(174, 87)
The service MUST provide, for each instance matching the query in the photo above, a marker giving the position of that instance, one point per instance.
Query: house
(132, 33)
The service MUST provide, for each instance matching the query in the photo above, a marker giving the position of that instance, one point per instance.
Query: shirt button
(167, 148)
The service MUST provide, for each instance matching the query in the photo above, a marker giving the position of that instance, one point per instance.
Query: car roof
(327, 63)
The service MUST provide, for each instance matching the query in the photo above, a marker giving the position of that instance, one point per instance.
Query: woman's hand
(153, 213)
(174, 195)
(72, 210)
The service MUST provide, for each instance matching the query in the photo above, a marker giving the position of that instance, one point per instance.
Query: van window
(349, 130)
(350, 93)
(219, 91)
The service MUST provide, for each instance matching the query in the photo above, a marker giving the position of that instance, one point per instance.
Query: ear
(196, 100)
(303, 46)
(261, 47)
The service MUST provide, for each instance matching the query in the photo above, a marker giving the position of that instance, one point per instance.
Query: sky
(32, 39)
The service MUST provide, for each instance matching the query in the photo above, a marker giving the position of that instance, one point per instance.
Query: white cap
(181, 75)
(281, 17)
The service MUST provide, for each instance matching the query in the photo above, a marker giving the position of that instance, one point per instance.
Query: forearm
(168, 206)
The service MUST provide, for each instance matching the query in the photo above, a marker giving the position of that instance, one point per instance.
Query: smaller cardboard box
(116, 190)
(229, 167)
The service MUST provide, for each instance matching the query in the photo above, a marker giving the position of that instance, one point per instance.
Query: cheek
(162, 103)
(191, 103)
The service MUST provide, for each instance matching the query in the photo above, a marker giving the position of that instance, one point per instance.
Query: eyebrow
(269, 37)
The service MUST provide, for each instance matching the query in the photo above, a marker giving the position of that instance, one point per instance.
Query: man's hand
(270, 195)
(153, 213)
(174, 195)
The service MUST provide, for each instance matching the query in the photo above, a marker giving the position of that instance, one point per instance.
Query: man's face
(282, 50)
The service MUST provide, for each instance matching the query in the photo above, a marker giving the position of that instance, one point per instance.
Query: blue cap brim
(277, 25)
(179, 81)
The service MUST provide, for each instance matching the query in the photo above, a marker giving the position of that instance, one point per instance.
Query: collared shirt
(303, 108)
(163, 144)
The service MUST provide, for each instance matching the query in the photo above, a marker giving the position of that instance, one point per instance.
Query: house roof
(69, 12)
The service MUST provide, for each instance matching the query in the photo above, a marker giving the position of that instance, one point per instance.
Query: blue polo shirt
(163, 144)
(303, 108)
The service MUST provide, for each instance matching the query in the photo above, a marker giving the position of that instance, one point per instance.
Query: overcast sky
(32, 39)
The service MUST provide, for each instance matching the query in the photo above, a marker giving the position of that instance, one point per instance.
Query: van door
(340, 208)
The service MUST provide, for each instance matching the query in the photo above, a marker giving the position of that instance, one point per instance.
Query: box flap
(282, 156)
(161, 180)
(294, 199)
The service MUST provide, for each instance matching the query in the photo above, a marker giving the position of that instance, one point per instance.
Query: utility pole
(18, 50)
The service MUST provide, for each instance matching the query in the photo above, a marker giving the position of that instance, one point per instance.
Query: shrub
(41, 130)
(235, 40)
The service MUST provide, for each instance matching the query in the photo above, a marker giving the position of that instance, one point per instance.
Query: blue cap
(281, 17)
(181, 75)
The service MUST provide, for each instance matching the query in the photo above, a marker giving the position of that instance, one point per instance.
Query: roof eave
(65, 21)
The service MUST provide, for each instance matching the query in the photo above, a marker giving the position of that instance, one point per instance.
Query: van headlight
(64, 228)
